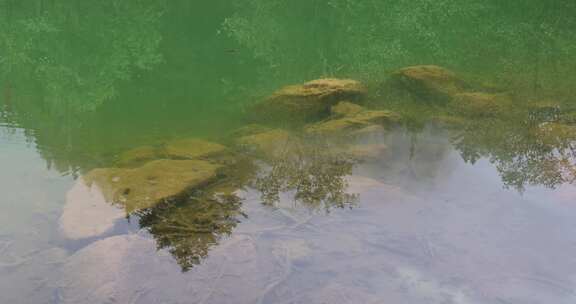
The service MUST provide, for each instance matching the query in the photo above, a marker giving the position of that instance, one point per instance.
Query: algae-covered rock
(481, 104)
(345, 108)
(429, 83)
(370, 130)
(187, 148)
(130, 269)
(192, 148)
(352, 123)
(269, 144)
(249, 129)
(155, 182)
(308, 101)
(140, 155)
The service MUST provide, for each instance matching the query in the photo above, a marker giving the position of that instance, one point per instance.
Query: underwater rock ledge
(309, 101)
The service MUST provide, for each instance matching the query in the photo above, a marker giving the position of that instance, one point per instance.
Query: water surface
(450, 208)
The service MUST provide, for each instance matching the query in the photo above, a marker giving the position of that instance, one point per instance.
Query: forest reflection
(526, 150)
(314, 173)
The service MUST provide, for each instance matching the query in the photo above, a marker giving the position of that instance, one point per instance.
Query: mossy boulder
(353, 123)
(370, 130)
(155, 182)
(192, 148)
(345, 108)
(249, 129)
(428, 83)
(308, 101)
(480, 104)
(139, 155)
(269, 144)
(188, 148)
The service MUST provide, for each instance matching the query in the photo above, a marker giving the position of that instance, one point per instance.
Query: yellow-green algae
(269, 144)
(345, 108)
(308, 101)
(154, 182)
(186, 148)
(354, 122)
(481, 104)
(429, 83)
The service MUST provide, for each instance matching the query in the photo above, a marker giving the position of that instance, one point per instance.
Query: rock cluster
(435, 85)
(153, 183)
(284, 125)
(309, 101)
(144, 178)
(429, 83)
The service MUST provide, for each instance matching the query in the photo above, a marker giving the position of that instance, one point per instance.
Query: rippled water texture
(275, 151)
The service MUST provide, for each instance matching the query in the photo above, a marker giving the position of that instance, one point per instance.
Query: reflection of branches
(524, 152)
(314, 172)
(189, 229)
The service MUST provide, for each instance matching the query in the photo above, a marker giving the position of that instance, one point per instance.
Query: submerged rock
(249, 129)
(353, 123)
(371, 130)
(270, 143)
(130, 269)
(428, 83)
(138, 156)
(310, 100)
(155, 182)
(193, 148)
(346, 108)
(188, 148)
(481, 104)
(86, 213)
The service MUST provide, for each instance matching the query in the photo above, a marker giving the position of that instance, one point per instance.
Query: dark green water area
(288, 151)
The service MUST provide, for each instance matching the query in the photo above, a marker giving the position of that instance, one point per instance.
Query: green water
(453, 204)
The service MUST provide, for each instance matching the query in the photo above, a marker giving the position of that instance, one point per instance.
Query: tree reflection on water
(525, 152)
(189, 229)
(314, 173)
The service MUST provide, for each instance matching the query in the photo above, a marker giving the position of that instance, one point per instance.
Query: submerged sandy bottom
(425, 230)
